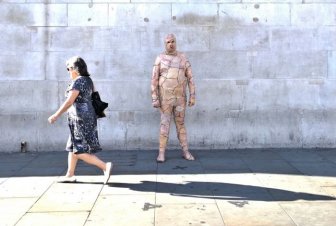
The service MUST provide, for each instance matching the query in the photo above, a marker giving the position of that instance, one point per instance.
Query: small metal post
(23, 146)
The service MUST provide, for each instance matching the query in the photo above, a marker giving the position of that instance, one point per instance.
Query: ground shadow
(217, 190)
(224, 191)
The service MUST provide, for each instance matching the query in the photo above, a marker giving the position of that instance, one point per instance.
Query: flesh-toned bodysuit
(170, 78)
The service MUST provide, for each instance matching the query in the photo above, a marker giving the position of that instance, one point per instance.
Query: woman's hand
(65, 106)
(52, 119)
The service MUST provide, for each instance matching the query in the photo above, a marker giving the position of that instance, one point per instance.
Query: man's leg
(166, 111)
(179, 114)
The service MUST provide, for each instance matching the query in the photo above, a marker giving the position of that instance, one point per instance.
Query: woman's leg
(93, 160)
(72, 162)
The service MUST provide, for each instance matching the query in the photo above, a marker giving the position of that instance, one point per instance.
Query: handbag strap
(93, 86)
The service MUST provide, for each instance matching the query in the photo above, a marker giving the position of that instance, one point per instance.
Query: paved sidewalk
(225, 187)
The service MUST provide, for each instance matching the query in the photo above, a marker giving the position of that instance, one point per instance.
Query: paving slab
(12, 209)
(180, 166)
(25, 186)
(323, 181)
(131, 162)
(17, 157)
(311, 213)
(324, 168)
(11, 168)
(224, 164)
(123, 210)
(136, 168)
(278, 166)
(145, 155)
(6, 172)
(188, 214)
(44, 171)
(252, 213)
(68, 197)
(49, 159)
(298, 156)
(54, 219)
(265, 155)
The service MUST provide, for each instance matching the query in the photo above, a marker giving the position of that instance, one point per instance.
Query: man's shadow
(223, 191)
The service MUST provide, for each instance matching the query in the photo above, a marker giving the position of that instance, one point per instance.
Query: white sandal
(107, 172)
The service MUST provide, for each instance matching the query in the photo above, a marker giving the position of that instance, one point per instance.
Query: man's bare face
(170, 45)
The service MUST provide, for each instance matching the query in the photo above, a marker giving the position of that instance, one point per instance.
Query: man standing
(171, 75)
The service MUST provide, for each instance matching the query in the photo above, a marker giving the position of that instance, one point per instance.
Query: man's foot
(107, 172)
(67, 179)
(188, 156)
(161, 157)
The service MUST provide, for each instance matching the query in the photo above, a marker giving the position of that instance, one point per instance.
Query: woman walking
(83, 140)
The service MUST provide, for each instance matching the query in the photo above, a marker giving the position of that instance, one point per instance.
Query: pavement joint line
(218, 209)
(94, 203)
(288, 215)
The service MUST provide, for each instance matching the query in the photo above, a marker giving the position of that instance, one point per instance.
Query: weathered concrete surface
(264, 70)
(222, 187)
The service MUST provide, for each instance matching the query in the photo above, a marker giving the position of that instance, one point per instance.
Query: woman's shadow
(223, 191)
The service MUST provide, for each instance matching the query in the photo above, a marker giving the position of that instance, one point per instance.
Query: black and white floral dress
(82, 119)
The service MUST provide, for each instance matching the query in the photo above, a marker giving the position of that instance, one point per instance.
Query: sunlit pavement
(222, 187)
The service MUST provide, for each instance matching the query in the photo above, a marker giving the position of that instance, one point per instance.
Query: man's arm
(155, 83)
(191, 85)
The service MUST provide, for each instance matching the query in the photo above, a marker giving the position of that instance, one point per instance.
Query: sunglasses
(70, 69)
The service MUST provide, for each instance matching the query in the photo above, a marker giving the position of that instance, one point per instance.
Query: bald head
(170, 44)
(170, 36)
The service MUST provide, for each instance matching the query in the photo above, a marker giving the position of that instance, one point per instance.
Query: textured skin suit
(171, 76)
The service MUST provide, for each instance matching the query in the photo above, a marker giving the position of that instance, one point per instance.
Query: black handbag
(98, 105)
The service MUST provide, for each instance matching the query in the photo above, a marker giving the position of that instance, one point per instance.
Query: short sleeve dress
(82, 119)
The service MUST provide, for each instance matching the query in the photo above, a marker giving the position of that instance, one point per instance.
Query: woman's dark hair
(79, 65)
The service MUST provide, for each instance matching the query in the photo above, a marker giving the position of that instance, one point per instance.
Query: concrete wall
(264, 70)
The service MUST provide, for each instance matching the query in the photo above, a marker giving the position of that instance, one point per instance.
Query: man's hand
(156, 103)
(192, 100)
